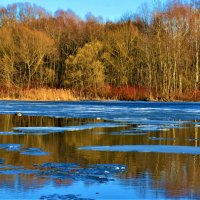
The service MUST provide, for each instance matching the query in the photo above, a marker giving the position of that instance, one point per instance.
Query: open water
(99, 150)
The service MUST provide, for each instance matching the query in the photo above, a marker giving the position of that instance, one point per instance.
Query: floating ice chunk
(63, 197)
(111, 168)
(11, 133)
(160, 138)
(193, 139)
(34, 152)
(56, 165)
(11, 147)
(25, 151)
(146, 148)
(42, 129)
(98, 172)
(67, 128)
(13, 170)
(148, 128)
(1, 161)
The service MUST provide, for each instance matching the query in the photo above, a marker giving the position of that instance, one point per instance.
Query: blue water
(156, 142)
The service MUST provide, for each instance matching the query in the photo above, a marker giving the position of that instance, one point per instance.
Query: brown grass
(106, 93)
(39, 94)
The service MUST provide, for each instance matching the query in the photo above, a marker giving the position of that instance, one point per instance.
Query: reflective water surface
(99, 150)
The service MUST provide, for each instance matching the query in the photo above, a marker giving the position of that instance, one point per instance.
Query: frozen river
(99, 150)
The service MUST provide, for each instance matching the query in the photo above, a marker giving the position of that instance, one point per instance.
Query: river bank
(121, 93)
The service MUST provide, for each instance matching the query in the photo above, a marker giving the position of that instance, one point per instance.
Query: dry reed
(39, 94)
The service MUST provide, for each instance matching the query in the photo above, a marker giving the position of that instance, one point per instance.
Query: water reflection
(165, 175)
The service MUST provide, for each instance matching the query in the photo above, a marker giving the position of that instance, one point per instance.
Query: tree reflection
(177, 174)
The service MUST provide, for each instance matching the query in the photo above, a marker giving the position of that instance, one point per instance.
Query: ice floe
(146, 148)
(68, 128)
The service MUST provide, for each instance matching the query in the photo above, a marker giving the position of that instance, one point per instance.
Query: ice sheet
(150, 116)
(129, 111)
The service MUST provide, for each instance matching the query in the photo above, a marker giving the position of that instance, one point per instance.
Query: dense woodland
(151, 55)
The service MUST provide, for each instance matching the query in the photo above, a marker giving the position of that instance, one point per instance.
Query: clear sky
(108, 9)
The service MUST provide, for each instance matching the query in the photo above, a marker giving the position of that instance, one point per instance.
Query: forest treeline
(154, 55)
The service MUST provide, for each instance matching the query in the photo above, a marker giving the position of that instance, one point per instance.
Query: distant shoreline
(52, 94)
(97, 100)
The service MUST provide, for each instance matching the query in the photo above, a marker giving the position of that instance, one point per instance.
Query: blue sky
(108, 9)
